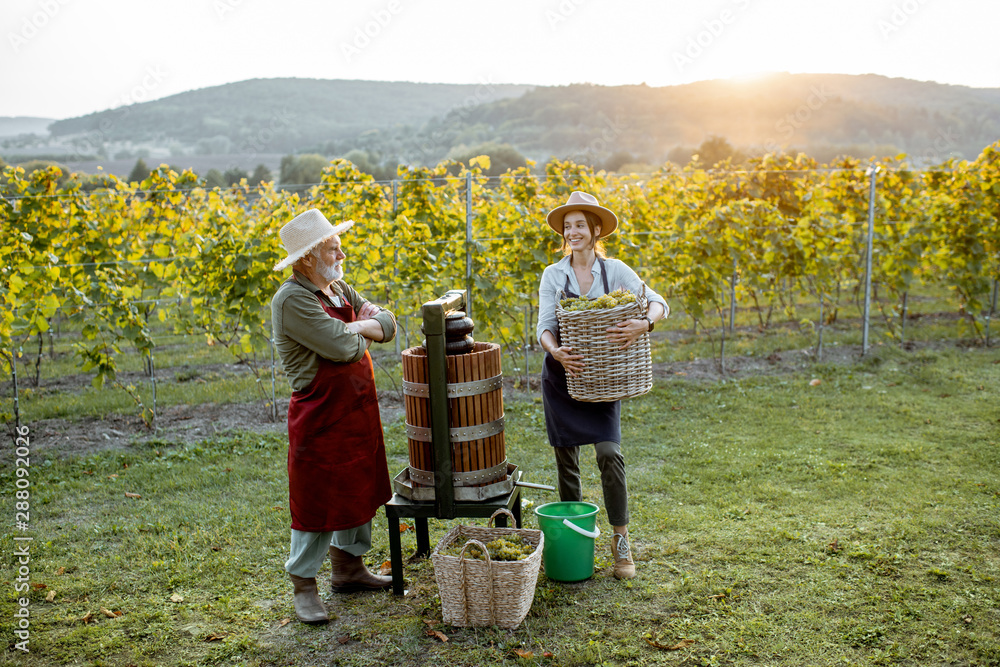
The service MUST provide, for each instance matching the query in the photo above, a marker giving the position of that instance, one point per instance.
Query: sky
(65, 58)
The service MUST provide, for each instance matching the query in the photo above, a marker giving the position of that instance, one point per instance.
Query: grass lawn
(775, 522)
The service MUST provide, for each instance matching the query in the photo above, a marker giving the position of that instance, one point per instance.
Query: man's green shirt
(303, 332)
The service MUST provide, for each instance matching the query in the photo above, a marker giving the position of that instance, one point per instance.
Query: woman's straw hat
(305, 232)
(581, 201)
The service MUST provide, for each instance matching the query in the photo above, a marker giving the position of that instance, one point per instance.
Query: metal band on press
(461, 434)
(461, 478)
(455, 389)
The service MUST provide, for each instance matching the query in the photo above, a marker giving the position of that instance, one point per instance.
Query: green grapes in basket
(620, 297)
(510, 547)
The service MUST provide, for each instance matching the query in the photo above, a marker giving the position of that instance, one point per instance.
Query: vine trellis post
(993, 310)
(872, 171)
(274, 400)
(732, 302)
(17, 406)
(152, 382)
(468, 244)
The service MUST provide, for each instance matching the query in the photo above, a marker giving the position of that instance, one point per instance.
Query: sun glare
(751, 76)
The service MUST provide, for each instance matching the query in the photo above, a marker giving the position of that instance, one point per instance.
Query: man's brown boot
(624, 565)
(350, 574)
(308, 605)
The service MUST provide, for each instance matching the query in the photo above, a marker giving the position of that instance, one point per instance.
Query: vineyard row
(783, 227)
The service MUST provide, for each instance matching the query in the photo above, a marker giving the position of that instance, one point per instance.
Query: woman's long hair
(593, 222)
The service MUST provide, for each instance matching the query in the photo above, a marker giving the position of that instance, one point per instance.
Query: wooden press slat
(467, 416)
(475, 410)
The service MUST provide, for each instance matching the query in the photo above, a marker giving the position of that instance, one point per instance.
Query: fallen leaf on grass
(403, 527)
(437, 633)
(386, 568)
(132, 495)
(51, 596)
(88, 618)
(967, 619)
(676, 407)
(109, 613)
(217, 636)
(521, 653)
(176, 598)
(60, 571)
(548, 654)
(815, 382)
(88, 472)
(679, 373)
(720, 596)
(39, 587)
(343, 639)
(284, 622)
(682, 644)
(216, 548)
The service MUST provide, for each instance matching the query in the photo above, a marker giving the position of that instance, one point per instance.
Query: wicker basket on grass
(609, 373)
(486, 592)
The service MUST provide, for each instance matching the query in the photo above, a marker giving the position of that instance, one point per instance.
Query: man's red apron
(337, 471)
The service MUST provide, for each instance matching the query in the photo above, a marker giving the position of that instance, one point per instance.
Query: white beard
(330, 272)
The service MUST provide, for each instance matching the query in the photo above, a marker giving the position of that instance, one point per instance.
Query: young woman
(584, 270)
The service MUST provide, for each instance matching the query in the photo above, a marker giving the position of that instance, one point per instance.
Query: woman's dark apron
(569, 422)
(337, 471)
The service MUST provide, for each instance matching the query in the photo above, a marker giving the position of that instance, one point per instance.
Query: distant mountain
(12, 126)
(280, 114)
(385, 123)
(816, 113)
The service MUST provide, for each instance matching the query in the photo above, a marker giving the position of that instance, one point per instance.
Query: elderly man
(337, 471)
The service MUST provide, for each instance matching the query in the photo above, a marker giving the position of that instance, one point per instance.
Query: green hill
(817, 113)
(281, 115)
(389, 122)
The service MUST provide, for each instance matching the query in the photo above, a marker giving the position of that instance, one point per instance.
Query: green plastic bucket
(570, 529)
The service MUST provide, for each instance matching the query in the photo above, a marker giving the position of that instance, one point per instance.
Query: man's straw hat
(305, 232)
(581, 201)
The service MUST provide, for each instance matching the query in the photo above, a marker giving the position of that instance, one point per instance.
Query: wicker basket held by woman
(610, 373)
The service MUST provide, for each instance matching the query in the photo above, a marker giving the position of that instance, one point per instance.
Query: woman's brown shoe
(624, 565)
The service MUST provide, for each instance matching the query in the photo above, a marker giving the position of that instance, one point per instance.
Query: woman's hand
(573, 363)
(627, 332)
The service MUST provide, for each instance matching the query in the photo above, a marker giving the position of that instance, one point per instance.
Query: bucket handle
(586, 533)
